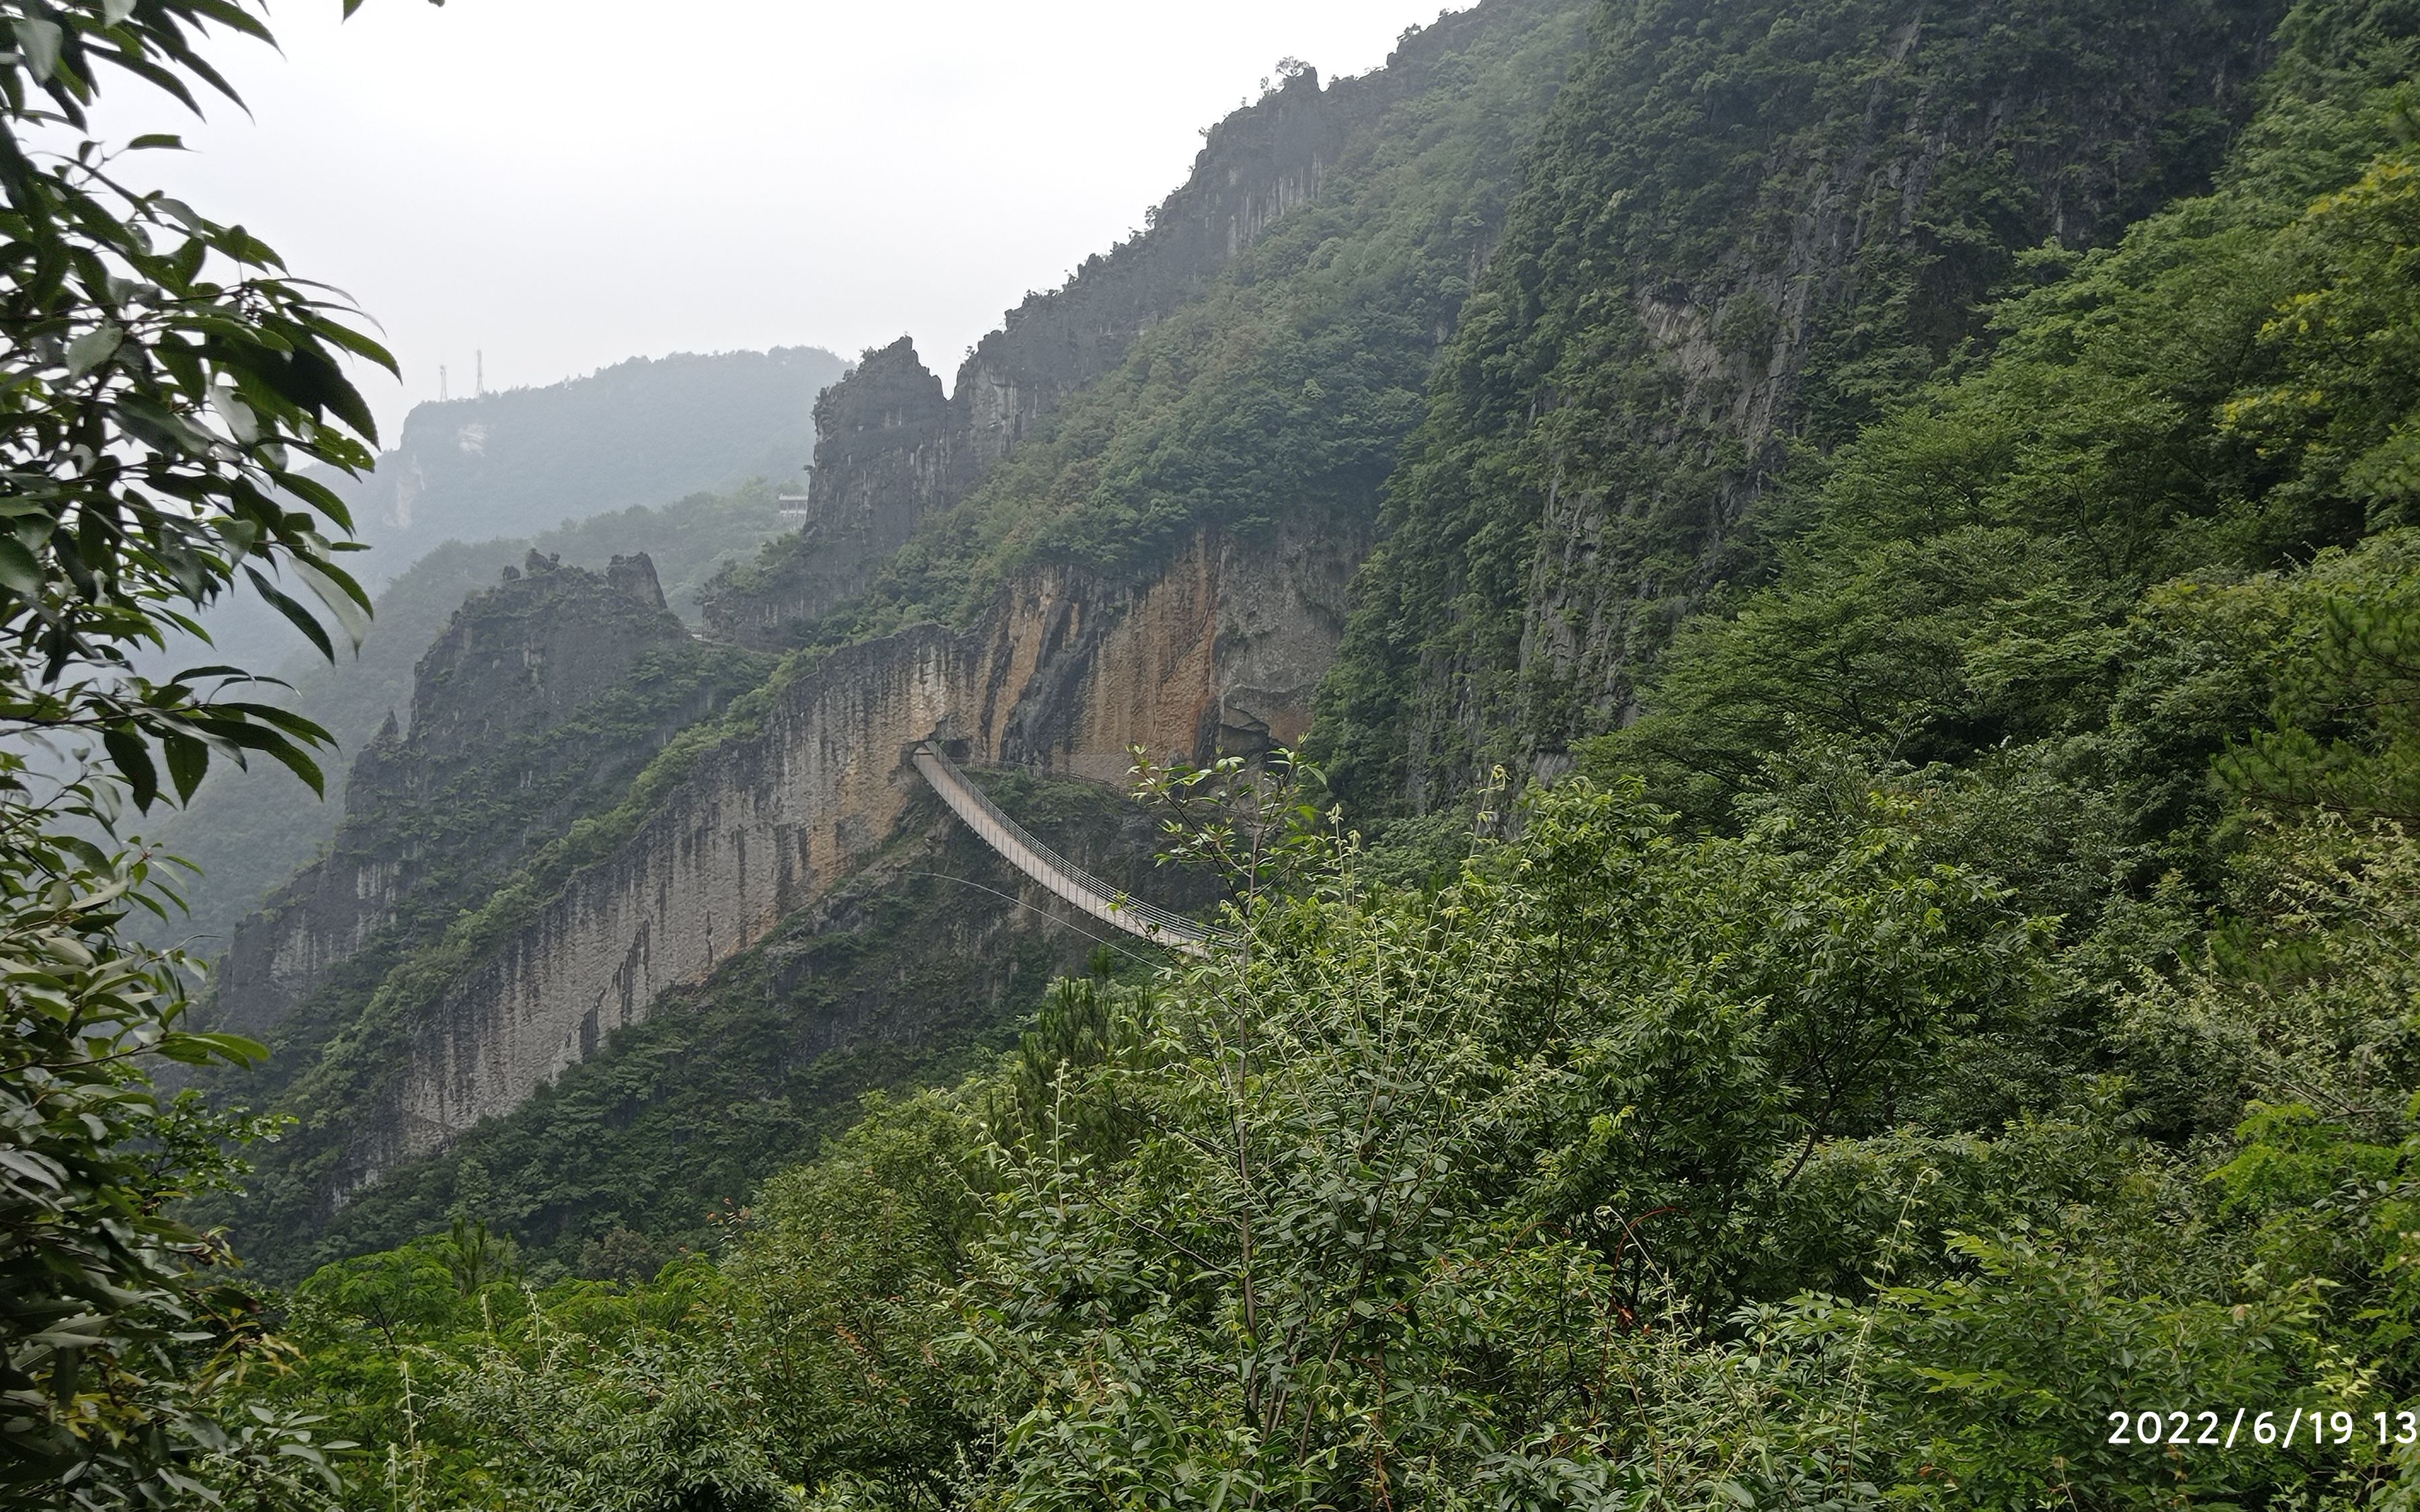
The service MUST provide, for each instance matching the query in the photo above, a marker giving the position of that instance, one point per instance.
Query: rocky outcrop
(1256, 165)
(1064, 675)
(882, 460)
(519, 659)
(513, 665)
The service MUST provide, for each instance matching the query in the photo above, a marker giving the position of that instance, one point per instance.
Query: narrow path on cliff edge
(1021, 850)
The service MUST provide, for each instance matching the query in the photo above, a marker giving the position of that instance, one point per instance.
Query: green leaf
(39, 40)
(286, 719)
(232, 1048)
(133, 759)
(356, 342)
(293, 759)
(189, 760)
(18, 571)
(344, 598)
(319, 495)
(92, 348)
(301, 618)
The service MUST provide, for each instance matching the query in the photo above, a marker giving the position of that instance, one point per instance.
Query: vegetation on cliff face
(1282, 393)
(1749, 230)
(2007, 561)
(514, 746)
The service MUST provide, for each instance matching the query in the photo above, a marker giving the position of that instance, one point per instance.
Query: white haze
(565, 183)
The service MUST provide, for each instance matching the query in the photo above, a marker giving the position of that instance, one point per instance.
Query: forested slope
(1749, 230)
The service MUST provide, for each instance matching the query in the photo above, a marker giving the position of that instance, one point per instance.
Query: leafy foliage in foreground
(163, 386)
(123, 1328)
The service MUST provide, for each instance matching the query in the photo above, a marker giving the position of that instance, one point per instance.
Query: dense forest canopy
(1856, 944)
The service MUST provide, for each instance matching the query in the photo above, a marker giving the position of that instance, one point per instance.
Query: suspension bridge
(1015, 845)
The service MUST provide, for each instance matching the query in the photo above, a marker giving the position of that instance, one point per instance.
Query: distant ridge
(645, 431)
(518, 463)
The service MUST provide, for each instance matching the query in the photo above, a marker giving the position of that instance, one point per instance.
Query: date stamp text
(2310, 1427)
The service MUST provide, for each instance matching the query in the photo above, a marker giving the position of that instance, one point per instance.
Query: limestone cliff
(919, 965)
(1063, 677)
(522, 711)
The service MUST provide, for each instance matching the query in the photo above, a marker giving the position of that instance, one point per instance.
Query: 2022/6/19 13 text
(2280, 1427)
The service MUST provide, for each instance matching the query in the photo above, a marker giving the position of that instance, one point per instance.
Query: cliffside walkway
(1021, 850)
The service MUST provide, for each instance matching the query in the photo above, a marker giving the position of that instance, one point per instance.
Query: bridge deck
(1021, 850)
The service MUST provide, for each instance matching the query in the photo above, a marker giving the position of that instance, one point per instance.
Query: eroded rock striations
(526, 707)
(1064, 675)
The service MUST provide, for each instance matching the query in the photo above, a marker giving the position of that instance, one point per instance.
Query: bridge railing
(1017, 846)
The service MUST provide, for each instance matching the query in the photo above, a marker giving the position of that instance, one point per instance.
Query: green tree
(163, 385)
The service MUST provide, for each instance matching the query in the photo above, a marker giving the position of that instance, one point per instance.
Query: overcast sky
(565, 183)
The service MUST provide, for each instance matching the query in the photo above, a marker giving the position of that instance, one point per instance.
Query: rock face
(1064, 675)
(889, 450)
(882, 460)
(514, 666)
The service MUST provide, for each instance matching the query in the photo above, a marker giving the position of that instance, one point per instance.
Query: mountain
(1245, 285)
(680, 458)
(643, 432)
(519, 462)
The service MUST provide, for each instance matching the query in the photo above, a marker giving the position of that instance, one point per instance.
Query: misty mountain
(645, 431)
(520, 462)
